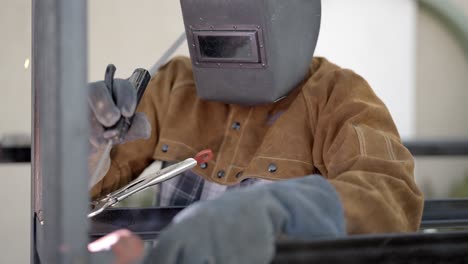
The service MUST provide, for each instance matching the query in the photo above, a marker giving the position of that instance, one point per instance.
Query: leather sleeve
(358, 148)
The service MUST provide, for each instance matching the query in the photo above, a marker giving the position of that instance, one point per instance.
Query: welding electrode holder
(139, 79)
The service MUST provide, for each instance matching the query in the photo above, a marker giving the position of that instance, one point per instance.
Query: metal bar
(438, 147)
(144, 222)
(59, 168)
(445, 213)
(446, 209)
(167, 54)
(444, 224)
(412, 248)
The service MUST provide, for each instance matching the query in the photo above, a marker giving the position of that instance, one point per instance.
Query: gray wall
(15, 117)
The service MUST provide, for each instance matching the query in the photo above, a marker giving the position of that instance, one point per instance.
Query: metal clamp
(141, 184)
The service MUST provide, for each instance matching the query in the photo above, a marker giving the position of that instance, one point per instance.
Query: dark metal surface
(15, 154)
(445, 213)
(412, 248)
(438, 147)
(145, 222)
(60, 129)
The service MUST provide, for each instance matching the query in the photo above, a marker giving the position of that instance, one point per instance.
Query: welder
(303, 149)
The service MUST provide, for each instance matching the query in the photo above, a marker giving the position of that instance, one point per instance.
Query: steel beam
(60, 129)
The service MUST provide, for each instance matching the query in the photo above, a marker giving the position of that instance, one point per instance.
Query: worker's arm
(129, 159)
(242, 226)
(357, 147)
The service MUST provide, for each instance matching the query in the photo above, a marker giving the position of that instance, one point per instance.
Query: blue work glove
(242, 226)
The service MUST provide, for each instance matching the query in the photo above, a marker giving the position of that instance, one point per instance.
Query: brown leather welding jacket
(333, 124)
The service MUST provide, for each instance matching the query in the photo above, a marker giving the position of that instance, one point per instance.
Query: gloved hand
(110, 100)
(242, 226)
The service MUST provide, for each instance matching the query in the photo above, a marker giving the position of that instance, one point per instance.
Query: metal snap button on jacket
(272, 168)
(165, 148)
(236, 126)
(239, 174)
(221, 174)
(204, 165)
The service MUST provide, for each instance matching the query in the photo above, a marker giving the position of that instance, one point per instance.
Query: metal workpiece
(60, 132)
(147, 223)
(384, 248)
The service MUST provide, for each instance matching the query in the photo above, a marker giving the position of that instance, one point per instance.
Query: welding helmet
(250, 52)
